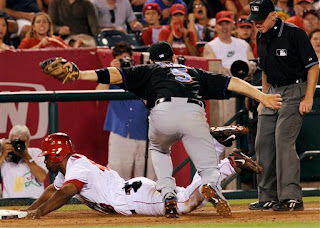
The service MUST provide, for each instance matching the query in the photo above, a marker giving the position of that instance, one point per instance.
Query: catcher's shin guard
(171, 206)
(240, 162)
(214, 196)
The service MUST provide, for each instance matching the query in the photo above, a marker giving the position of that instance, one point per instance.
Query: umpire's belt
(285, 83)
(190, 100)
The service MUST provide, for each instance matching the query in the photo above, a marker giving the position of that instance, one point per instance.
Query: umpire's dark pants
(275, 146)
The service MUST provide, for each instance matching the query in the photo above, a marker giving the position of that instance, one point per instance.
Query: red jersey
(178, 45)
(296, 21)
(54, 41)
(150, 35)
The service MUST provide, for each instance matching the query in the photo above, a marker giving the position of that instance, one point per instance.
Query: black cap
(160, 51)
(260, 9)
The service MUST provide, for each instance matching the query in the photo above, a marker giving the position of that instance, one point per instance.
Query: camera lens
(18, 145)
(125, 62)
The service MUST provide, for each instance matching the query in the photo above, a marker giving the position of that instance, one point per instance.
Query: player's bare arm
(273, 101)
(307, 102)
(57, 200)
(38, 172)
(91, 75)
(48, 192)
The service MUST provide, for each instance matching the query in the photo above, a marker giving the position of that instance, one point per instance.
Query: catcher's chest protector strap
(103, 76)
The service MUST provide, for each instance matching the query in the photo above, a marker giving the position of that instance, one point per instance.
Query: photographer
(22, 171)
(127, 122)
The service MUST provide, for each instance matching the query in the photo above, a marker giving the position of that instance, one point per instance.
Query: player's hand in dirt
(34, 214)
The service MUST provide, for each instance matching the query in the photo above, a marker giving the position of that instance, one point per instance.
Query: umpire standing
(289, 67)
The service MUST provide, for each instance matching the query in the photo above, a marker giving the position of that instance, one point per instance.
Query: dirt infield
(206, 215)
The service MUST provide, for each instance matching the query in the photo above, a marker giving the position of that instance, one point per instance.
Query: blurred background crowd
(188, 25)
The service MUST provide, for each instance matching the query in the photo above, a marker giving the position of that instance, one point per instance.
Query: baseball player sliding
(100, 188)
(175, 95)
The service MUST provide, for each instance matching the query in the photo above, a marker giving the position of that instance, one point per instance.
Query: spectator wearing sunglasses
(116, 14)
(310, 20)
(246, 32)
(200, 20)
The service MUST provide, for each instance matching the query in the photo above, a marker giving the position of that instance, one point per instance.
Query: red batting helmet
(57, 146)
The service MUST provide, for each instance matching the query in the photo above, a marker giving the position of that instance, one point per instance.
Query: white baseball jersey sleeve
(100, 188)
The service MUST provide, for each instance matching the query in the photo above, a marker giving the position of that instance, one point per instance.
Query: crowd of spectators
(186, 24)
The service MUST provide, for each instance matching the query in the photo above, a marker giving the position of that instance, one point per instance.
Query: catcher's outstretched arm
(110, 75)
(273, 101)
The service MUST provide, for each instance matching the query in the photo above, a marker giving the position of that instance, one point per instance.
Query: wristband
(103, 76)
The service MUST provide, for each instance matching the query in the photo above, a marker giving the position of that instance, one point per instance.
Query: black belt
(285, 83)
(190, 100)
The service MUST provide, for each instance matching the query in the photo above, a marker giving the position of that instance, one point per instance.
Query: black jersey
(154, 81)
(285, 53)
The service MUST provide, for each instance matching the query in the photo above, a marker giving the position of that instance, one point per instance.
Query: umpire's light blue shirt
(128, 118)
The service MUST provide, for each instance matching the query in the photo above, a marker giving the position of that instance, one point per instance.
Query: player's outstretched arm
(273, 101)
(48, 192)
(111, 74)
(67, 71)
(57, 200)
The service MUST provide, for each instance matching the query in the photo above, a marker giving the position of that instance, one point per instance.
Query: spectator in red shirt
(245, 31)
(182, 40)
(299, 6)
(41, 34)
(152, 15)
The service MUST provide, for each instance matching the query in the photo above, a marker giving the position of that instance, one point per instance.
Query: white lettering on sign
(18, 113)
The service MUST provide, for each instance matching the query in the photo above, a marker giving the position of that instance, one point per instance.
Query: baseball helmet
(57, 146)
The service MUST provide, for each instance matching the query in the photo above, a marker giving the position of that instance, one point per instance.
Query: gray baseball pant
(275, 146)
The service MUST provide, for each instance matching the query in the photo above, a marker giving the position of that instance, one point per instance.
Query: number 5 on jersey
(181, 75)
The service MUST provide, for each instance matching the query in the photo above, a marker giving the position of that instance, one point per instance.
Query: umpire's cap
(160, 51)
(260, 9)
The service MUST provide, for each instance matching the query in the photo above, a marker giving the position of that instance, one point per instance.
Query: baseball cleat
(262, 205)
(289, 205)
(240, 162)
(214, 196)
(171, 207)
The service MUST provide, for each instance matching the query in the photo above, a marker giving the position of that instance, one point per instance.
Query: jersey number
(181, 75)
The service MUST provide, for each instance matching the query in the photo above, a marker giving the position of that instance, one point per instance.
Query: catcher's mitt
(55, 68)
(226, 134)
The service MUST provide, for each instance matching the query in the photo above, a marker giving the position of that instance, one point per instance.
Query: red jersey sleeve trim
(77, 183)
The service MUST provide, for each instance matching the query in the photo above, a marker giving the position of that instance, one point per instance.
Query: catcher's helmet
(57, 146)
